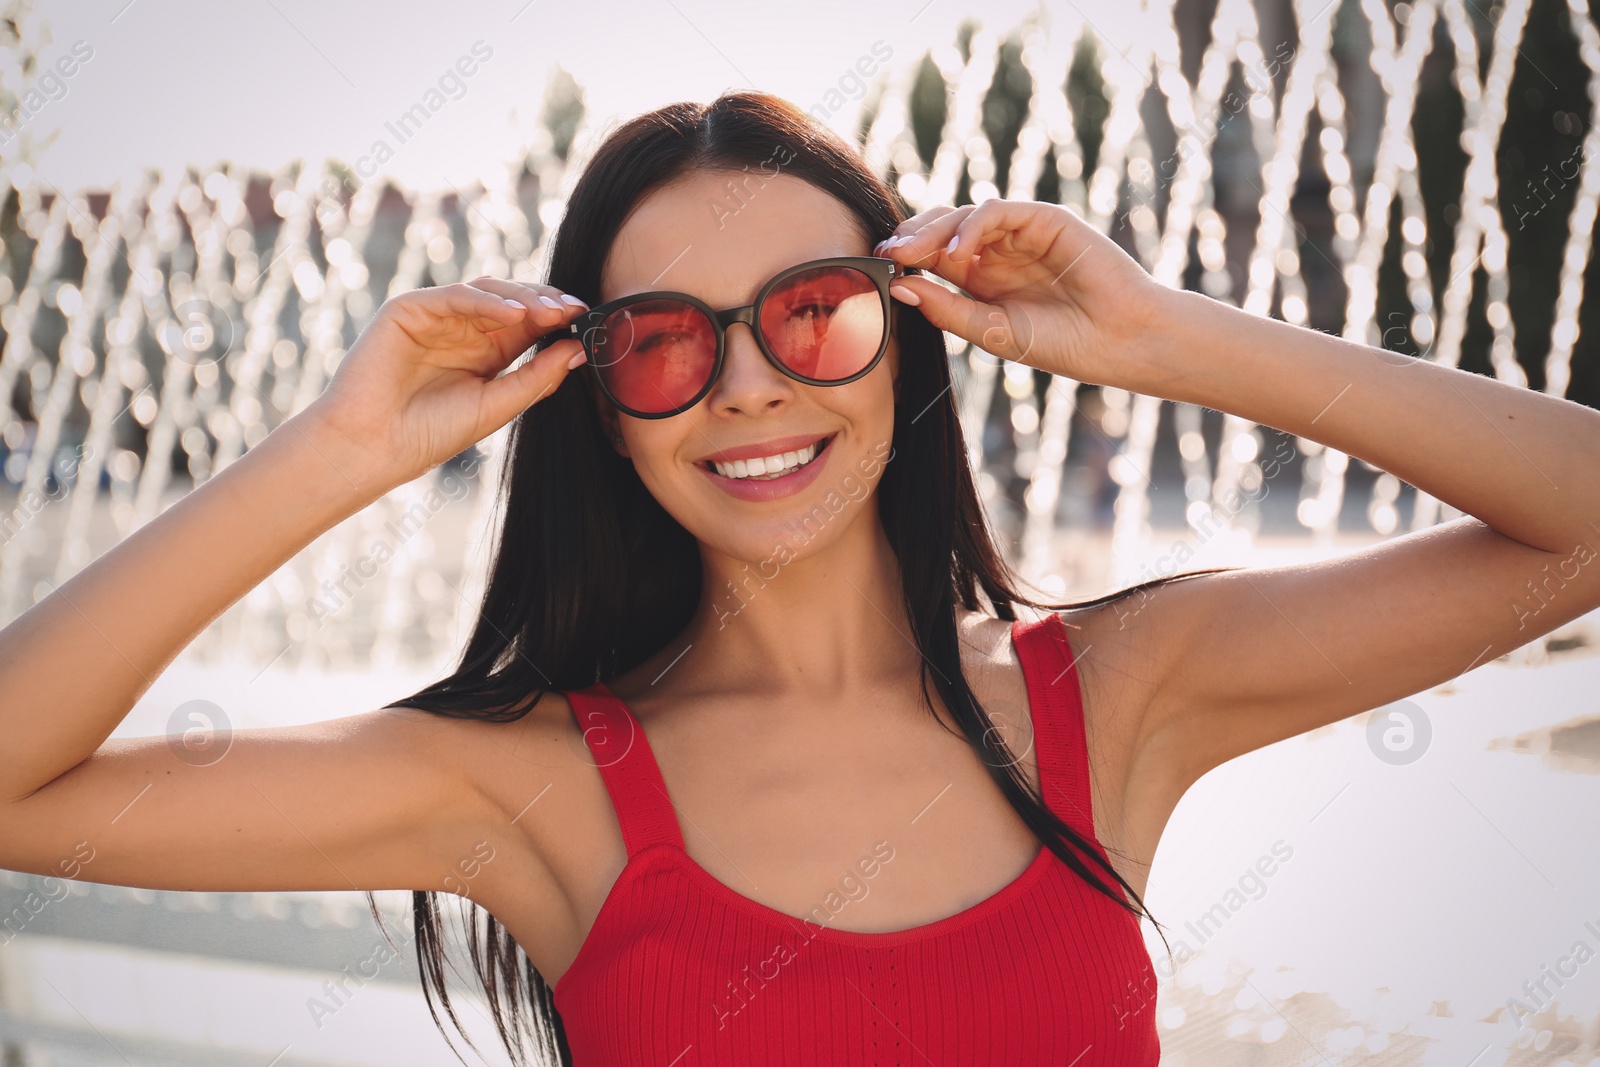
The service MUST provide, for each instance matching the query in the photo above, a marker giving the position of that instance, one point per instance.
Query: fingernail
(547, 302)
(901, 292)
(951, 247)
(568, 298)
(519, 305)
(577, 360)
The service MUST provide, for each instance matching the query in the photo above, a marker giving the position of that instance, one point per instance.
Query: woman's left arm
(1248, 657)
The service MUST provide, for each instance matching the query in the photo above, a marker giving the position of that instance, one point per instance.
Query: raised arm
(377, 800)
(1258, 655)
(1234, 661)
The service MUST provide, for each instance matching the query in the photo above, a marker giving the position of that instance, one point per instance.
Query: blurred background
(202, 207)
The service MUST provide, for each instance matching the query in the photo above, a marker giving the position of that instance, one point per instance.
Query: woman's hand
(420, 384)
(1044, 288)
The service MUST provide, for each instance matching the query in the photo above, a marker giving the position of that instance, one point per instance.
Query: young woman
(757, 762)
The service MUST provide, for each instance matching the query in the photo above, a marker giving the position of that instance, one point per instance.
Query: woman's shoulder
(506, 749)
(540, 777)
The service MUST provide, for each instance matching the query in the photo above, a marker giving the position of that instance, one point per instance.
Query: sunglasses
(822, 322)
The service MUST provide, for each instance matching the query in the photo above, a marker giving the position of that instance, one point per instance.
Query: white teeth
(767, 466)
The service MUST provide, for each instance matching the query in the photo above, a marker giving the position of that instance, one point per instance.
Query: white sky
(263, 82)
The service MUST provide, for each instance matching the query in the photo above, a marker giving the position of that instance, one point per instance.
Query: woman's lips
(757, 489)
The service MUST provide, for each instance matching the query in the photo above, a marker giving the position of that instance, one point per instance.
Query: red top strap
(628, 768)
(645, 812)
(1056, 702)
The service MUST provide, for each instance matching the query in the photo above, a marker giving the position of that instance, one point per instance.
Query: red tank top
(681, 971)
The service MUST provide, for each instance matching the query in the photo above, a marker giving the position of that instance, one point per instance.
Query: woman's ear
(609, 424)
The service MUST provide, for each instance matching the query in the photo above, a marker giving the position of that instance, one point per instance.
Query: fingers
(1005, 333)
(485, 310)
(548, 304)
(509, 395)
(1027, 225)
(547, 308)
(918, 244)
(921, 219)
(1045, 231)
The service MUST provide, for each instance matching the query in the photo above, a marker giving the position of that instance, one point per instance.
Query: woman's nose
(748, 382)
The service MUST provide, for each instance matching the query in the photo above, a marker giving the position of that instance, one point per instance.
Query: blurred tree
(1005, 106)
(1537, 157)
(563, 111)
(1086, 93)
(23, 35)
(1538, 160)
(929, 106)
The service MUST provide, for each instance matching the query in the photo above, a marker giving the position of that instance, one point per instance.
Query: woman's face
(694, 236)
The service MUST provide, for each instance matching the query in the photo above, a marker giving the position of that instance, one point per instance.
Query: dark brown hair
(591, 576)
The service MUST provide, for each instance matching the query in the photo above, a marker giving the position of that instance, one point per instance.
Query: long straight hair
(590, 575)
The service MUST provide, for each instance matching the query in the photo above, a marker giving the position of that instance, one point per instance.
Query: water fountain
(156, 330)
(185, 314)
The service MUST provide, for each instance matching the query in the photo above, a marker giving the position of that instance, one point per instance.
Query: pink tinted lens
(825, 323)
(655, 355)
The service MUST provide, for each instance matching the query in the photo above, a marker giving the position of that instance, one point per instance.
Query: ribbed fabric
(681, 971)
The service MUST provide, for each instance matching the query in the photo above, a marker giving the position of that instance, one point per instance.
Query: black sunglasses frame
(881, 271)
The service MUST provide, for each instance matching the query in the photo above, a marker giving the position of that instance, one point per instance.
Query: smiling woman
(667, 790)
(681, 457)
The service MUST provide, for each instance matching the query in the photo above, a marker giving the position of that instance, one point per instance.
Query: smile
(766, 467)
(768, 478)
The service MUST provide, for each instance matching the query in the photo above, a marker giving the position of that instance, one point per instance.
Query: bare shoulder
(526, 766)
(554, 838)
(1116, 673)
(1121, 658)
(1118, 660)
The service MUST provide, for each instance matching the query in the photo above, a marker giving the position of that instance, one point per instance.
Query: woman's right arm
(383, 799)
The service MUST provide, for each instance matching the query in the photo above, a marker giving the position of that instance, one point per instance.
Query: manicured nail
(901, 292)
(576, 361)
(519, 305)
(547, 302)
(568, 298)
(951, 247)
